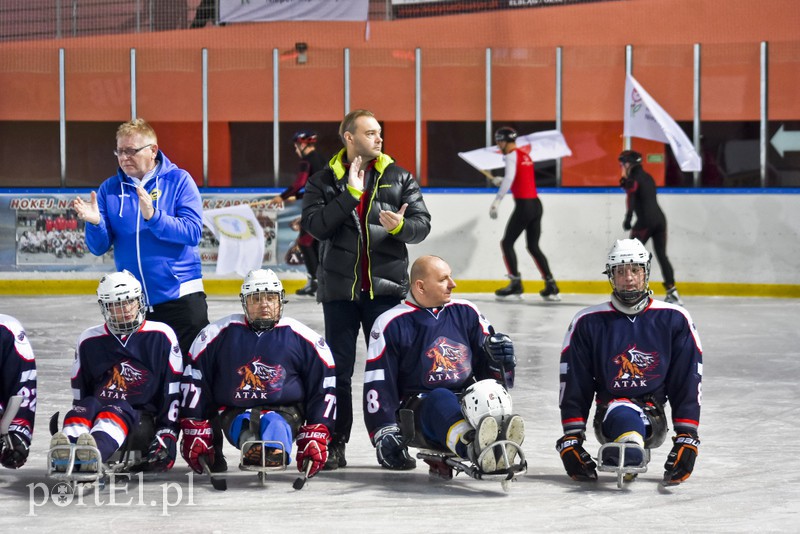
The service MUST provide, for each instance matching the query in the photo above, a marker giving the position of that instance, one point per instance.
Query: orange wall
(523, 41)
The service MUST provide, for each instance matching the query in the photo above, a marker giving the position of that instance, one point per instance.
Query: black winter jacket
(330, 215)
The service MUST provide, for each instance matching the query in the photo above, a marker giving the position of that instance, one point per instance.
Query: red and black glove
(577, 461)
(312, 446)
(197, 442)
(680, 460)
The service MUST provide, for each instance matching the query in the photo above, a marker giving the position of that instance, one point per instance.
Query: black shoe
(310, 289)
(513, 288)
(550, 291)
(336, 457)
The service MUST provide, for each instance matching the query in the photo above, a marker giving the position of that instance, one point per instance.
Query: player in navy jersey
(630, 356)
(260, 363)
(125, 383)
(423, 354)
(17, 377)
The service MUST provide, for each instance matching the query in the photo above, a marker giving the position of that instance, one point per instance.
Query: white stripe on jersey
(329, 382)
(27, 375)
(374, 376)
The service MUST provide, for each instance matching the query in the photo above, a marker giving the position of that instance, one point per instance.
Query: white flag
(646, 119)
(240, 236)
(541, 146)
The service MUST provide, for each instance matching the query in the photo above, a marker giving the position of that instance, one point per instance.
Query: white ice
(745, 480)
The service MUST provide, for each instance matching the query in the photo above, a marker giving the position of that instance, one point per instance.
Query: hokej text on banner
(645, 118)
(294, 10)
(541, 146)
(240, 236)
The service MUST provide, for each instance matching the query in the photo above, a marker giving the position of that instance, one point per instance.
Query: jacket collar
(337, 163)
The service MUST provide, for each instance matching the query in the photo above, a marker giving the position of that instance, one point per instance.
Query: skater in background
(311, 161)
(640, 189)
(627, 358)
(526, 217)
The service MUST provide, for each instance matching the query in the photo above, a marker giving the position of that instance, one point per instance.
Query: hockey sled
(263, 467)
(444, 464)
(625, 473)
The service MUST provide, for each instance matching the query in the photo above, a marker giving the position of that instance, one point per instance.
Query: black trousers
(186, 315)
(343, 318)
(526, 217)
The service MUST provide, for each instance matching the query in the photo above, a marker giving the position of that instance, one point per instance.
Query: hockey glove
(577, 462)
(500, 350)
(162, 452)
(198, 442)
(626, 224)
(15, 449)
(680, 460)
(391, 450)
(312, 446)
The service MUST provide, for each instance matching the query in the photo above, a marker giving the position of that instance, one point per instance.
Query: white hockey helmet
(629, 252)
(486, 397)
(260, 283)
(121, 302)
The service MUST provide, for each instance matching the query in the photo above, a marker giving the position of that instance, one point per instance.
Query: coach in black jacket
(363, 209)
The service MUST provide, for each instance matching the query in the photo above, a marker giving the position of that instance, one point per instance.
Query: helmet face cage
(262, 283)
(121, 302)
(628, 254)
(506, 134)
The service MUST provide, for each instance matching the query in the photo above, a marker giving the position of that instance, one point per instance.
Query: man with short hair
(364, 209)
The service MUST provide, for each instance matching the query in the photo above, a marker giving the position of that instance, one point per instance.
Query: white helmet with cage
(258, 284)
(629, 254)
(486, 397)
(121, 302)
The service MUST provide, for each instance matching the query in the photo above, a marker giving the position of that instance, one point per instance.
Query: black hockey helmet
(630, 156)
(505, 133)
(304, 136)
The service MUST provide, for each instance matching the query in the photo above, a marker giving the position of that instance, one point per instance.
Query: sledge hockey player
(125, 381)
(630, 356)
(259, 363)
(17, 378)
(424, 354)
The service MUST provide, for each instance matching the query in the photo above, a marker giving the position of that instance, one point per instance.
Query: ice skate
(513, 289)
(59, 452)
(550, 291)
(86, 454)
(673, 297)
(481, 450)
(513, 430)
(309, 290)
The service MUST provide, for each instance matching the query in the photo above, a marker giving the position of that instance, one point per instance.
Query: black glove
(15, 450)
(162, 452)
(626, 224)
(680, 460)
(391, 450)
(577, 462)
(500, 350)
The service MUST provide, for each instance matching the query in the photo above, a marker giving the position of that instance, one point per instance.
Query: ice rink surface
(746, 478)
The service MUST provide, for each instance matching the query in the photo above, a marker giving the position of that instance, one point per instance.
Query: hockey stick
(14, 402)
(300, 481)
(218, 483)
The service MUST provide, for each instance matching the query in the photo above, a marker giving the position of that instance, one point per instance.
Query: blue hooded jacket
(161, 253)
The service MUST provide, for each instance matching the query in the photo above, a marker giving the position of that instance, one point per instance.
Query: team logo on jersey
(155, 194)
(634, 368)
(259, 380)
(449, 361)
(125, 377)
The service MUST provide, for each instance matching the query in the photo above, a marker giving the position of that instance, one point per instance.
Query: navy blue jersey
(230, 366)
(17, 373)
(415, 350)
(144, 369)
(611, 355)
